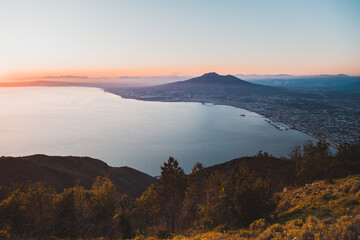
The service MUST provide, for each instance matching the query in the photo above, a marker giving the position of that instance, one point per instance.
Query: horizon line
(84, 77)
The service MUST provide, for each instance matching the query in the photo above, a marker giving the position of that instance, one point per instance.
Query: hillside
(321, 210)
(258, 197)
(63, 172)
(279, 173)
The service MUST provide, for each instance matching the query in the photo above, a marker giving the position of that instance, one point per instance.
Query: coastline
(277, 123)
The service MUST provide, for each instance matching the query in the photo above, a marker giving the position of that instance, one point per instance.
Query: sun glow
(125, 38)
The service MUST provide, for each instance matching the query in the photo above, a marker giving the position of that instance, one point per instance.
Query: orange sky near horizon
(112, 39)
(352, 69)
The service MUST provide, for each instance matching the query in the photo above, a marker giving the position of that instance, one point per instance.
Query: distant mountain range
(41, 83)
(319, 81)
(249, 77)
(212, 79)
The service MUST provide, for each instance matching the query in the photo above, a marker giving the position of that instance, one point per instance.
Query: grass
(328, 209)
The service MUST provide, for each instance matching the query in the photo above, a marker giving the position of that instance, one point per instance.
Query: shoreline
(271, 120)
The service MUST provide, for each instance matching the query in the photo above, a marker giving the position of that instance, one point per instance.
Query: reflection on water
(90, 122)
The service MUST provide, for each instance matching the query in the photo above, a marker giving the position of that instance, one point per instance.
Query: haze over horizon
(85, 40)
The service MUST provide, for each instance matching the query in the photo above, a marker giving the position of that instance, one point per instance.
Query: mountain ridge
(63, 172)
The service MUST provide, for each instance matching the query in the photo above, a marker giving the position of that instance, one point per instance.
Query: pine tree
(171, 191)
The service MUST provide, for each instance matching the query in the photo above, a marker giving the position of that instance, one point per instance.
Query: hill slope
(322, 210)
(279, 173)
(63, 172)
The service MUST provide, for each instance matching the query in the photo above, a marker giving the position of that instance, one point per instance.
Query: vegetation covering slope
(321, 210)
(251, 198)
(63, 172)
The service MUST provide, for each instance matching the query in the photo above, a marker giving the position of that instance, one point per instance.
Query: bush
(259, 225)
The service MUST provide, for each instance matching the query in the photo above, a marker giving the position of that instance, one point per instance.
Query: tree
(198, 166)
(312, 162)
(13, 217)
(147, 209)
(84, 212)
(122, 219)
(29, 211)
(65, 214)
(171, 192)
(253, 199)
(40, 204)
(104, 201)
(214, 212)
(194, 197)
(347, 160)
(236, 200)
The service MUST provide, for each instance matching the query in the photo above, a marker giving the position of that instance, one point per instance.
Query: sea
(82, 121)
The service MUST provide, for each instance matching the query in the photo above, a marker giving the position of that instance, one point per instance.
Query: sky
(115, 38)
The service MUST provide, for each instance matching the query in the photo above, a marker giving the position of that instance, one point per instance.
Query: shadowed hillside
(63, 172)
(277, 172)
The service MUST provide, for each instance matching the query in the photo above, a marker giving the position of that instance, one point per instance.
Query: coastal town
(336, 121)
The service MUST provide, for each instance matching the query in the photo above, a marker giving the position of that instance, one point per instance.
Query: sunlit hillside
(321, 210)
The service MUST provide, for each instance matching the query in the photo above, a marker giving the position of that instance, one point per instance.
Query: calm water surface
(90, 122)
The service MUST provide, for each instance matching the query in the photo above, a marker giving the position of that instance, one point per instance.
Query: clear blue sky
(184, 37)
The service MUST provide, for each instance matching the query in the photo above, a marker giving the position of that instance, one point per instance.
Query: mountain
(210, 81)
(213, 78)
(63, 172)
(210, 87)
